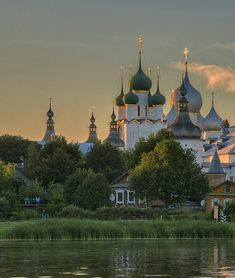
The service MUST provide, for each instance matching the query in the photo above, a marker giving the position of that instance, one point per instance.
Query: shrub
(5, 208)
(230, 211)
(74, 211)
(107, 213)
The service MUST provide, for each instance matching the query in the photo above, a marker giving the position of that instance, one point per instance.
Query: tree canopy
(53, 162)
(169, 173)
(93, 192)
(105, 159)
(13, 148)
(146, 145)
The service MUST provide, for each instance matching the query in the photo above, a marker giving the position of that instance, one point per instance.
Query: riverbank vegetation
(77, 229)
(61, 176)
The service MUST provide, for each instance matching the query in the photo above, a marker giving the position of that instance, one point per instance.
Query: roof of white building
(230, 149)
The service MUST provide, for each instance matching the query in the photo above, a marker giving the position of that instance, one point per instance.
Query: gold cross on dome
(186, 52)
(158, 70)
(140, 42)
(121, 72)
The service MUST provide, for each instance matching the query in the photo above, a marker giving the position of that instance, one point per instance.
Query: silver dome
(183, 128)
(199, 122)
(171, 116)
(212, 121)
(193, 96)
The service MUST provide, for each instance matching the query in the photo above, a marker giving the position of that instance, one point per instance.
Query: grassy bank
(76, 229)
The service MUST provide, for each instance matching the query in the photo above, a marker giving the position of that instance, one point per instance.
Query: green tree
(54, 162)
(9, 186)
(105, 159)
(93, 192)
(56, 198)
(170, 173)
(12, 148)
(5, 208)
(72, 182)
(34, 190)
(33, 163)
(146, 145)
(7, 177)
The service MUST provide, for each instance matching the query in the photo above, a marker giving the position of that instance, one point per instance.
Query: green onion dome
(140, 81)
(150, 100)
(119, 99)
(130, 98)
(158, 98)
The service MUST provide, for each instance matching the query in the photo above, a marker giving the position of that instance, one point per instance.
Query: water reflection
(143, 258)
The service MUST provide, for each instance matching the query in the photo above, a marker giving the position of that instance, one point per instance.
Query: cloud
(217, 77)
(226, 46)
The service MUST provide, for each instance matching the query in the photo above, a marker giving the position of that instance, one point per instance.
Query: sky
(72, 51)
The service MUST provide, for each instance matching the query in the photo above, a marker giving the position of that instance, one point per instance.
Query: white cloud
(217, 77)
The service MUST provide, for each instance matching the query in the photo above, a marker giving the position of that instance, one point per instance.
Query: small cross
(140, 42)
(186, 52)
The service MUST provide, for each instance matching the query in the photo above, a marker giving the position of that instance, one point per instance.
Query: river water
(129, 258)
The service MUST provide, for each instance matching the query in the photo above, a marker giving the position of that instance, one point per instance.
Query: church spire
(113, 137)
(183, 128)
(186, 52)
(216, 167)
(92, 138)
(212, 99)
(158, 77)
(140, 43)
(50, 130)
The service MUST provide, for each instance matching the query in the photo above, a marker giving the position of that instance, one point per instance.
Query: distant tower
(120, 105)
(216, 174)
(92, 138)
(50, 131)
(193, 96)
(113, 137)
(184, 131)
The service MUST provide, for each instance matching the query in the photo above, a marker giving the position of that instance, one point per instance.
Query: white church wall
(150, 113)
(120, 111)
(143, 104)
(196, 145)
(157, 112)
(131, 111)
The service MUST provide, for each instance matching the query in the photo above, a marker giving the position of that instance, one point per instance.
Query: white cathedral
(138, 113)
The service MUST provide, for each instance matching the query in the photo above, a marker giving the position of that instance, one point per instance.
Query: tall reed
(77, 229)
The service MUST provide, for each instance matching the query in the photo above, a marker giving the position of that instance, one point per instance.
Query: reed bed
(78, 229)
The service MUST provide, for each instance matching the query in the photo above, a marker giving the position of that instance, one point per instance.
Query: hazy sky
(71, 50)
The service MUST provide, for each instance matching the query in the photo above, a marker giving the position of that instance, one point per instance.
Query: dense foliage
(13, 148)
(83, 229)
(169, 173)
(105, 159)
(54, 162)
(64, 178)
